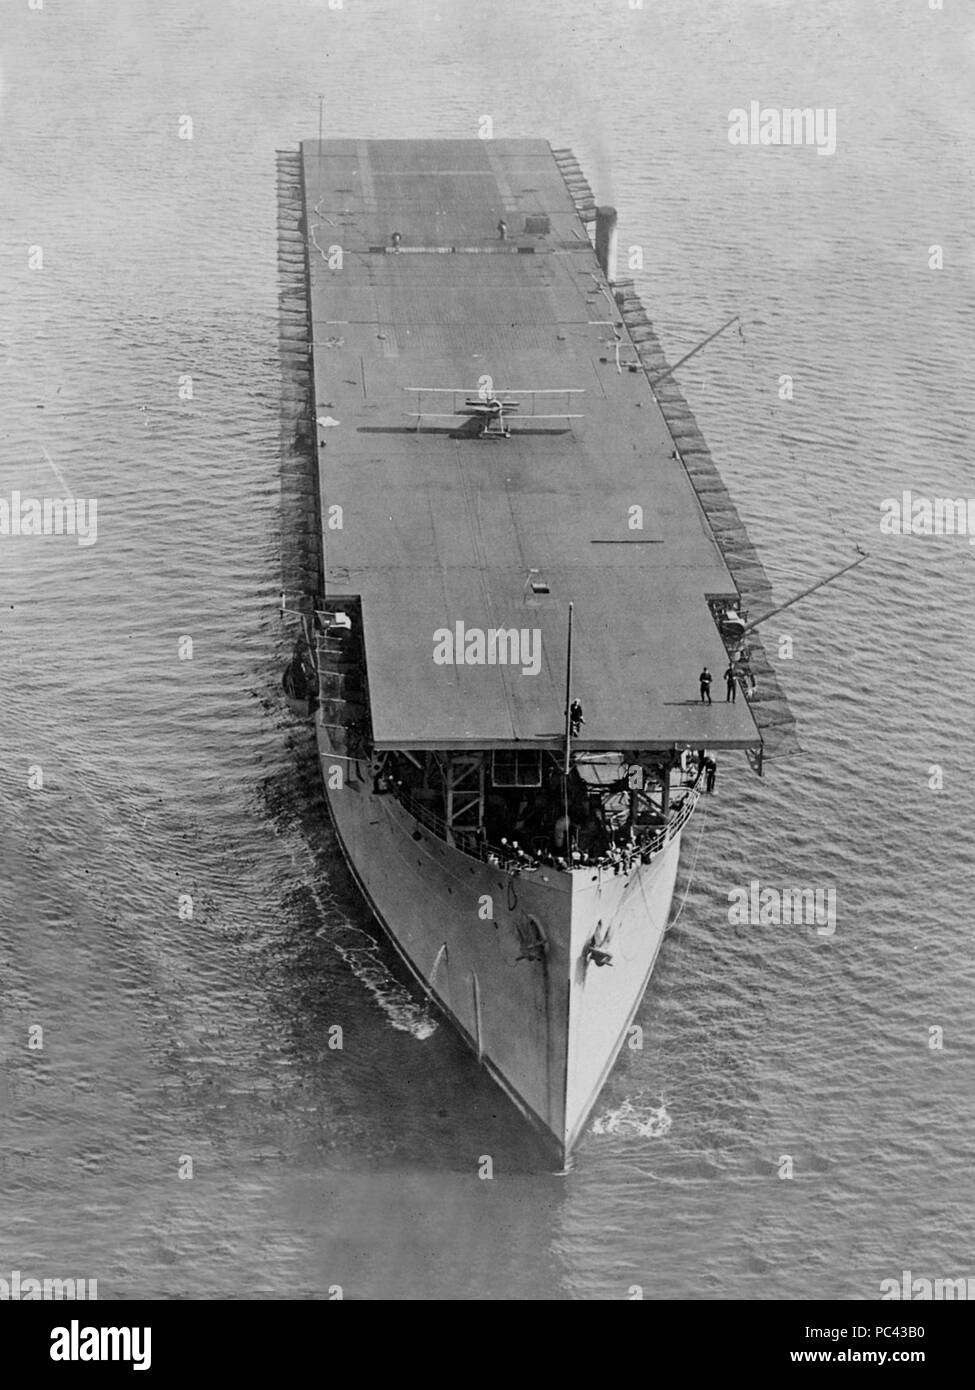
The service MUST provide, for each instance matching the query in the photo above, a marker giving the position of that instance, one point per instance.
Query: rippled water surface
(167, 1038)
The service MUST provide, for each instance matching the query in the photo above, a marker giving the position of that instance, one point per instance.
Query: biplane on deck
(491, 413)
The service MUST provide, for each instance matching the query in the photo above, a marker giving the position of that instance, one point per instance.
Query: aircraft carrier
(527, 559)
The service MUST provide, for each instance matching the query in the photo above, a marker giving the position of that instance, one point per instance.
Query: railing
(680, 818)
(480, 849)
(421, 813)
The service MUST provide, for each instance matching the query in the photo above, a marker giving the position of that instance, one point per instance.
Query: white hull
(547, 1023)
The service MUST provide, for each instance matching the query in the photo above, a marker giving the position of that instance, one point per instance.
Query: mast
(568, 738)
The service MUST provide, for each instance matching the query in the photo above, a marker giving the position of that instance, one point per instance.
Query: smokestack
(606, 241)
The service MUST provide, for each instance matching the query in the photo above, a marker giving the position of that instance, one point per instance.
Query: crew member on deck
(731, 683)
(705, 679)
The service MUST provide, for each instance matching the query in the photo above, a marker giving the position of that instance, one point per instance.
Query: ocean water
(137, 779)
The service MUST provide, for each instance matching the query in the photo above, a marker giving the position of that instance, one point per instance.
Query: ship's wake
(635, 1117)
(359, 951)
(404, 1012)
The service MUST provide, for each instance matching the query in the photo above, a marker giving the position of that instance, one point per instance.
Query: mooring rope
(697, 851)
